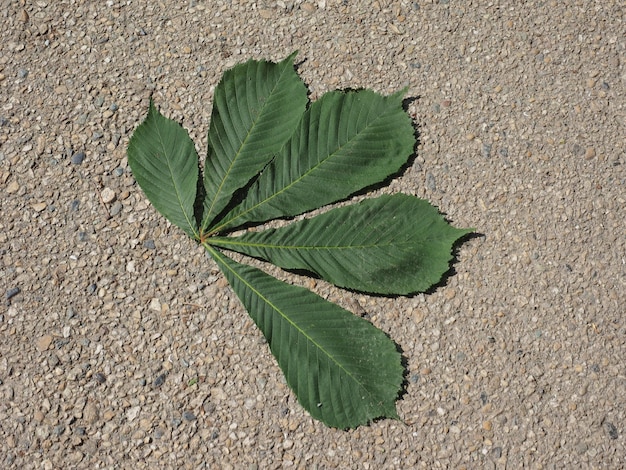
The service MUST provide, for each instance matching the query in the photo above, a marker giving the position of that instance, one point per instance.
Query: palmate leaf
(395, 244)
(345, 142)
(164, 163)
(344, 371)
(256, 107)
(270, 157)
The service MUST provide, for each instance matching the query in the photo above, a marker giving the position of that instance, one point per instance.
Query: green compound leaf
(395, 244)
(271, 157)
(256, 108)
(343, 370)
(345, 142)
(165, 165)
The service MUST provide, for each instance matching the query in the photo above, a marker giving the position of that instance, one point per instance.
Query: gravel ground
(121, 345)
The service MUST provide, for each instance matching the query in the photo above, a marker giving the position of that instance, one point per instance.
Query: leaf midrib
(233, 242)
(176, 190)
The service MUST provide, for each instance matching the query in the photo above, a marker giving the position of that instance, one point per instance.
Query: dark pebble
(92, 288)
(12, 292)
(99, 377)
(118, 171)
(504, 152)
(215, 435)
(415, 378)
(80, 431)
(22, 73)
(96, 136)
(176, 422)
(10, 459)
(189, 416)
(82, 236)
(611, 430)
(160, 380)
(149, 244)
(484, 398)
(58, 429)
(59, 343)
(487, 150)
(78, 158)
(430, 182)
(70, 313)
(116, 208)
(159, 433)
(74, 205)
(578, 150)
(497, 452)
(114, 107)
(53, 361)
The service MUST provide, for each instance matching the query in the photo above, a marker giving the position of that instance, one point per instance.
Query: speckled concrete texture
(121, 345)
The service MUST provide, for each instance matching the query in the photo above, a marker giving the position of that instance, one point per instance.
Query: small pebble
(176, 422)
(611, 430)
(78, 158)
(44, 342)
(116, 208)
(99, 377)
(13, 187)
(12, 292)
(160, 380)
(22, 73)
(189, 416)
(430, 182)
(92, 288)
(486, 150)
(149, 244)
(39, 206)
(108, 195)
